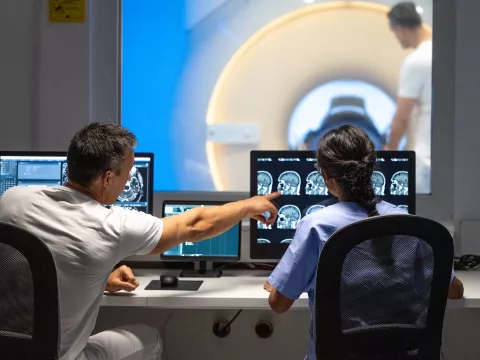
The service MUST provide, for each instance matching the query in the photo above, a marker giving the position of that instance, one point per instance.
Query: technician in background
(87, 239)
(413, 115)
(347, 159)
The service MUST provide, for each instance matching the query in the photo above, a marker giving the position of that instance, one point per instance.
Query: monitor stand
(202, 269)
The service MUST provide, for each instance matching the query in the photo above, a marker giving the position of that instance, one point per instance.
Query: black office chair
(381, 290)
(29, 321)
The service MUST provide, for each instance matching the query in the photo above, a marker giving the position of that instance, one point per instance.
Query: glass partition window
(206, 82)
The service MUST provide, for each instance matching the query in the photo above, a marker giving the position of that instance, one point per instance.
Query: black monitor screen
(303, 189)
(43, 169)
(138, 192)
(225, 246)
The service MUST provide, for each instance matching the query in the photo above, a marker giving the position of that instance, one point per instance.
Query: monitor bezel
(202, 258)
(64, 154)
(150, 179)
(276, 251)
(33, 153)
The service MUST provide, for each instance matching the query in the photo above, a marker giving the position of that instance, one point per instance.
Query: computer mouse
(168, 280)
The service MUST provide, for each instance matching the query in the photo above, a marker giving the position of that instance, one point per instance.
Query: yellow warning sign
(67, 10)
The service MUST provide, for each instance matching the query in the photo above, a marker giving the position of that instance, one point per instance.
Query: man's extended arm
(205, 222)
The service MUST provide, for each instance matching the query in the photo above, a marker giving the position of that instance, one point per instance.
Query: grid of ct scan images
(304, 191)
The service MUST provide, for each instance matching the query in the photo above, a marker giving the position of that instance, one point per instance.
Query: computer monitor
(221, 248)
(39, 168)
(303, 189)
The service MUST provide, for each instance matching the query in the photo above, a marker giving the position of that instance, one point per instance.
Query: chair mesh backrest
(386, 281)
(16, 294)
(29, 321)
(381, 290)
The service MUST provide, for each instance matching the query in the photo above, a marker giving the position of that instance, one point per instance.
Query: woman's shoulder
(332, 217)
(344, 213)
(326, 211)
(386, 208)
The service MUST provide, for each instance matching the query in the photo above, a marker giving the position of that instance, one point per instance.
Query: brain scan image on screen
(314, 208)
(315, 184)
(262, 226)
(264, 183)
(133, 208)
(64, 174)
(378, 182)
(399, 184)
(288, 217)
(263, 241)
(133, 191)
(289, 183)
(403, 207)
(286, 241)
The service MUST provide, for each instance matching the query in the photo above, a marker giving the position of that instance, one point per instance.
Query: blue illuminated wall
(154, 52)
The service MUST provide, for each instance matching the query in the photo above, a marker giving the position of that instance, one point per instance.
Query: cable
(163, 334)
(221, 330)
(467, 262)
(263, 266)
(233, 319)
(223, 267)
(248, 266)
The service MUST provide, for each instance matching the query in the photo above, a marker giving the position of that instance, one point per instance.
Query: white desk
(234, 290)
(240, 290)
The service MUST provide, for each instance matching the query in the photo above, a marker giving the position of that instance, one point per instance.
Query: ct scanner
(287, 59)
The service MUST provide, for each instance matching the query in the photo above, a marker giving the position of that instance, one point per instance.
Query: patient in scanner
(347, 160)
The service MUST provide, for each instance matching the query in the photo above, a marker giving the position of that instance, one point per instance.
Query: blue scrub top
(296, 271)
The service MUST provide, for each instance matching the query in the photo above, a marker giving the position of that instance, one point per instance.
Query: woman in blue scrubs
(347, 158)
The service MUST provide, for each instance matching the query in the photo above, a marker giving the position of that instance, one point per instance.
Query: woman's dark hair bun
(347, 155)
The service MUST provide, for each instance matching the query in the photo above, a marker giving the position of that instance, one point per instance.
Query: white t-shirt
(87, 240)
(416, 83)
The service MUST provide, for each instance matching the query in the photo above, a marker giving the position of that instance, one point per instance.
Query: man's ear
(107, 178)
